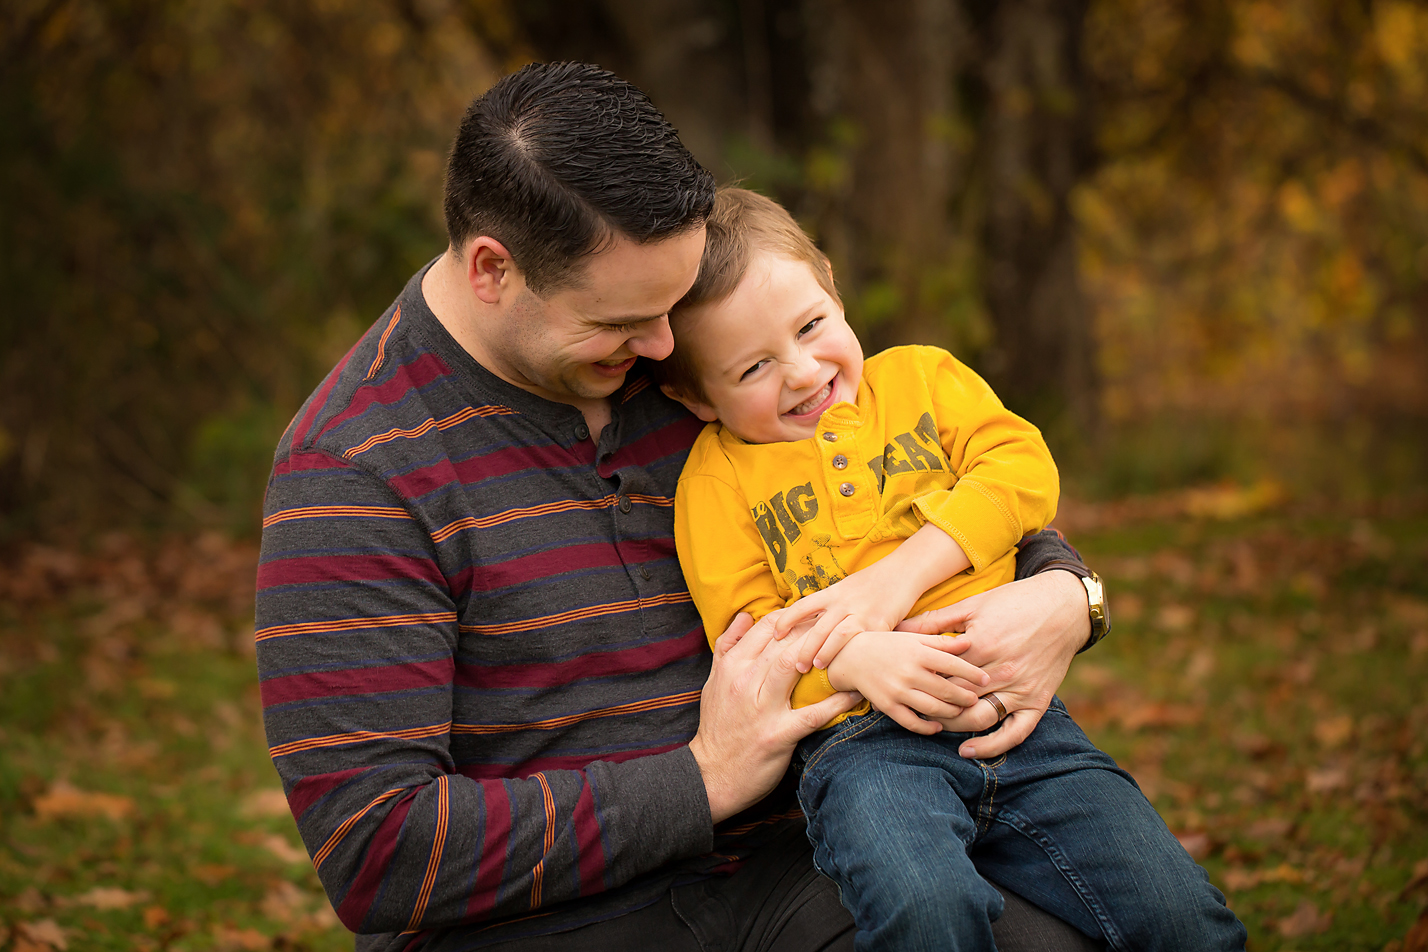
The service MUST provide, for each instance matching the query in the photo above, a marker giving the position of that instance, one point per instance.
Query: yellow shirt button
(847, 489)
(840, 461)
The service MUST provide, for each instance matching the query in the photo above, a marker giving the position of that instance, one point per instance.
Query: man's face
(773, 355)
(577, 344)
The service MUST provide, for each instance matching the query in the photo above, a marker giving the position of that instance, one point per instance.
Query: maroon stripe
(309, 790)
(675, 437)
(538, 566)
(590, 850)
(376, 864)
(491, 857)
(320, 398)
(595, 664)
(303, 570)
(299, 463)
(410, 377)
(572, 762)
(378, 679)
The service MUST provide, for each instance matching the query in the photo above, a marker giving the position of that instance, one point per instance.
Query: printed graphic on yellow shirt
(781, 518)
(914, 456)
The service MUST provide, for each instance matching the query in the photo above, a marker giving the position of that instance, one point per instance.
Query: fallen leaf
(1196, 844)
(44, 932)
(264, 803)
(211, 874)
(65, 800)
(1327, 780)
(246, 940)
(280, 847)
(1334, 732)
(284, 902)
(1305, 920)
(1239, 880)
(155, 916)
(1417, 938)
(1269, 828)
(109, 897)
(1175, 617)
(1418, 880)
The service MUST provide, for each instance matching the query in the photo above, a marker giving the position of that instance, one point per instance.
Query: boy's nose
(803, 372)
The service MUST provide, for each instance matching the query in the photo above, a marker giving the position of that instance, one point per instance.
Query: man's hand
(1024, 634)
(906, 674)
(747, 731)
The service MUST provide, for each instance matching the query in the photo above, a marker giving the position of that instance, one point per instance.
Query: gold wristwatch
(1095, 598)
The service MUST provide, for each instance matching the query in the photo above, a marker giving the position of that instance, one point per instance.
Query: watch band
(1095, 598)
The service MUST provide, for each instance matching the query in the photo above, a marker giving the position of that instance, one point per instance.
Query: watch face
(1100, 607)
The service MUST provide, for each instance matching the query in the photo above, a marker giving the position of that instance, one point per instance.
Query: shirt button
(840, 461)
(582, 432)
(644, 573)
(624, 503)
(831, 437)
(846, 489)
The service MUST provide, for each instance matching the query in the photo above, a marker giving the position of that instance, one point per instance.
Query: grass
(1264, 683)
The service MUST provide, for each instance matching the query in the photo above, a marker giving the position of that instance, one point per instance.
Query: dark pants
(776, 903)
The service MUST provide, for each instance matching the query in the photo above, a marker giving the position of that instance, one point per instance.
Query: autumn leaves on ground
(1264, 684)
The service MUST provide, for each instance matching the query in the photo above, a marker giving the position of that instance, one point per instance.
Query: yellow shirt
(758, 525)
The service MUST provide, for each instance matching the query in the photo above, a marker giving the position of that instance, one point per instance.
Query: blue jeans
(911, 832)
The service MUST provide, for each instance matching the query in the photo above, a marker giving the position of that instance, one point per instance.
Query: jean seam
(818, 754)
(1057, 859)
(988, 801)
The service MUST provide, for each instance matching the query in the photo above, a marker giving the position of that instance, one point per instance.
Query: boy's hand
(868, 600)
(906, 675)
(875, 598)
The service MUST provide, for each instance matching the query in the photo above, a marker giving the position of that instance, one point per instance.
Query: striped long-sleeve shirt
(480, 665)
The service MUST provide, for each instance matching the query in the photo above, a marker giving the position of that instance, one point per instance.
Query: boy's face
(773, 355)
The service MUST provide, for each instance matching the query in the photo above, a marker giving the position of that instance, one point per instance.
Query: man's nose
(654, 340)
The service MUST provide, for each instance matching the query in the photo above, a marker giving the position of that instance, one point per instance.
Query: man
(484, 683)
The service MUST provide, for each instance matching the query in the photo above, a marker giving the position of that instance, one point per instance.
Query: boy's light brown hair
(742, 224)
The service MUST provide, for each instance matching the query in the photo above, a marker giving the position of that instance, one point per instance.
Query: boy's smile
(773, 355)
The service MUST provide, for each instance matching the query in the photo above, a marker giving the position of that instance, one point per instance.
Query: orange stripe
(325, 512)
(443, 809)
(347, 825)
(548, 841)
(576, 614)
(545, 509)
(353, 624)
(635, 388)
(382, 344)
(633, 707)
(357, 737)
(445, 423)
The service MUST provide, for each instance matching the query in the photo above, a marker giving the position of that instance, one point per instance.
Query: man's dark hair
(557, 160)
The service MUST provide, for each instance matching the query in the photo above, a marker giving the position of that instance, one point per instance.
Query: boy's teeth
(812, 401)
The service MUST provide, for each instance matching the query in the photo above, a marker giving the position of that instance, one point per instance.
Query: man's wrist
(1097, 608)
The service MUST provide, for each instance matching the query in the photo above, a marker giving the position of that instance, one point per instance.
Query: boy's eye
(756, 366)
(809, 326)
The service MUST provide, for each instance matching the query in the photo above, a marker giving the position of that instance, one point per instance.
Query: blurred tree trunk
(1036, 148)
(931, 145)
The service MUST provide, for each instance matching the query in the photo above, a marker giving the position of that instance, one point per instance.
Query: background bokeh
(1188, 238)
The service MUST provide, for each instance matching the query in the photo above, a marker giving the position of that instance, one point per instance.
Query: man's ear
(490, 269)
(702, 410)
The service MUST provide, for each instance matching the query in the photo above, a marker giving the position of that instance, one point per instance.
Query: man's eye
(809, 326)
(756, 366)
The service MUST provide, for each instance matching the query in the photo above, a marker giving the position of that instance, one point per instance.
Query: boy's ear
(702, 410)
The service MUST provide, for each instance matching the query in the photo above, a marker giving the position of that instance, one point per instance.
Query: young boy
(850, 495)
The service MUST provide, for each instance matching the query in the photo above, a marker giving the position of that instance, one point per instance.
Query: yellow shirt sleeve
(722, 555)
(1007, 484)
